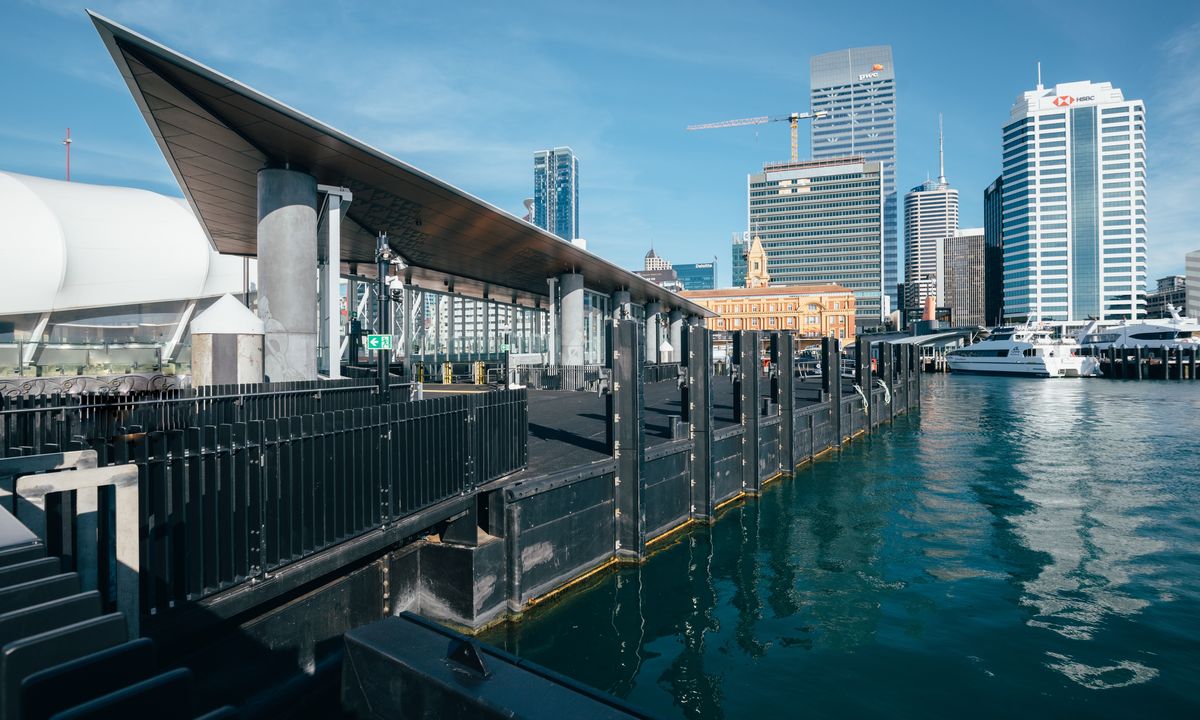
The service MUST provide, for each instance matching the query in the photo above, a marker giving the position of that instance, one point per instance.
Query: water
(1022, 546)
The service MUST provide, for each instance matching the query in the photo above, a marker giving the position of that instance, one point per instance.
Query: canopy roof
(217, 134)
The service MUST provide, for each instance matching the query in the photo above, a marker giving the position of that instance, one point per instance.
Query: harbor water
(1019, 546)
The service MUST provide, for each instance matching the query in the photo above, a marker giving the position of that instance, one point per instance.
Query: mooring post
(1164, 358)
(1137, 358)
(915, 365)
(749, 372)
(863, 379)
(783, 386)
(698, 407)
(827, 369)
(626, 418)
(885, 372)
(1192, 363)
(835, 391)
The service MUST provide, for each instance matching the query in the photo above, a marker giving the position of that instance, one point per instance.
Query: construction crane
(794, 119)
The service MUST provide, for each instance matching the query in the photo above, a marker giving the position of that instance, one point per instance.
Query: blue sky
(467, 91)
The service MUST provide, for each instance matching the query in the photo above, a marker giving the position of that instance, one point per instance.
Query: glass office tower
(697, 276)
(556, 192)
(1074, 204)
(857, 88)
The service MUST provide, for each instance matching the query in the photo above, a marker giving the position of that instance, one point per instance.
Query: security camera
(395, 286)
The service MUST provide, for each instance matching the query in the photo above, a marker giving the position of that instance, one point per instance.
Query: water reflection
(1028, 542)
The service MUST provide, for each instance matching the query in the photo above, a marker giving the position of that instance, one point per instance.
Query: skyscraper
(738, 259)
(993, 253)
(964, 258)
(1074, 218)
(857, 90)
(930, 216)
(556, 192)
(820, 222)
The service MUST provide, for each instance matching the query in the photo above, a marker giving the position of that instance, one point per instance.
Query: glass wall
(444, 327)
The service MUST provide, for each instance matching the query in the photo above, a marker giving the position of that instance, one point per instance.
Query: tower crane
(794, 119)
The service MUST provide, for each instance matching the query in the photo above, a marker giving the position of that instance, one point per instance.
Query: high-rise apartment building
(993, 253)
(556, 192)
(821, 222)
(697, 276)
(1192, 270)
(857, 90)
(964, 284)
(1074, 217)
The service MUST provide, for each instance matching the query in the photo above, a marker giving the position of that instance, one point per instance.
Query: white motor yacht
(1027, 350)
(1175, 332)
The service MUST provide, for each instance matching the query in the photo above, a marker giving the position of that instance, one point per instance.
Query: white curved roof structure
(69, 245)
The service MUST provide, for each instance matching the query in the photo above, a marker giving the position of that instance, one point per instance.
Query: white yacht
(1175, 332)
(1027, 350)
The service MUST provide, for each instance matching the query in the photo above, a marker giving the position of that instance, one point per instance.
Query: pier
(264, 523)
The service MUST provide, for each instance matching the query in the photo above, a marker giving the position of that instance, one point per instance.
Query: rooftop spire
(941, 154)
(1039, 86)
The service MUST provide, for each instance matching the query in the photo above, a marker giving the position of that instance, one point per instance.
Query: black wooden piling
(748, 405)
(698, 407)
(628, 421)
(784, 388)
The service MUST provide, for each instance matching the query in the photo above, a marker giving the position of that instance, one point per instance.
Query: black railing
(33, 424)
(658, 372)
(226, 503)
(559, 377)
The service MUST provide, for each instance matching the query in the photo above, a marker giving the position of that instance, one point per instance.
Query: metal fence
(222, 503)
(658, 372)
(559, 377)
(33, 424)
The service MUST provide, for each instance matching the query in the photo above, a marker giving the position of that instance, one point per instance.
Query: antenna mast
(941, 154)
(1039, 86)
(67, 142)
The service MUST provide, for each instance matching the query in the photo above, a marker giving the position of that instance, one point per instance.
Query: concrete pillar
(287, 273)
(676, 318)
(620, 305)
(571, 318)
(652, 311)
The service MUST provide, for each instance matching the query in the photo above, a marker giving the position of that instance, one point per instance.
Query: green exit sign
(379, 342)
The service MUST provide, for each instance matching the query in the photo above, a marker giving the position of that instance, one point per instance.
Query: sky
(467, 91)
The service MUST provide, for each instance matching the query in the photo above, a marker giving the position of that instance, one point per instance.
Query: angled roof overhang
(216, 134)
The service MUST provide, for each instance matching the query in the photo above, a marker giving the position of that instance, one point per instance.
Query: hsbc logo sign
(1067, 100)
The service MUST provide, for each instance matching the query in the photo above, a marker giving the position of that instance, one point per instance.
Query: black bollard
(1137, 356)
